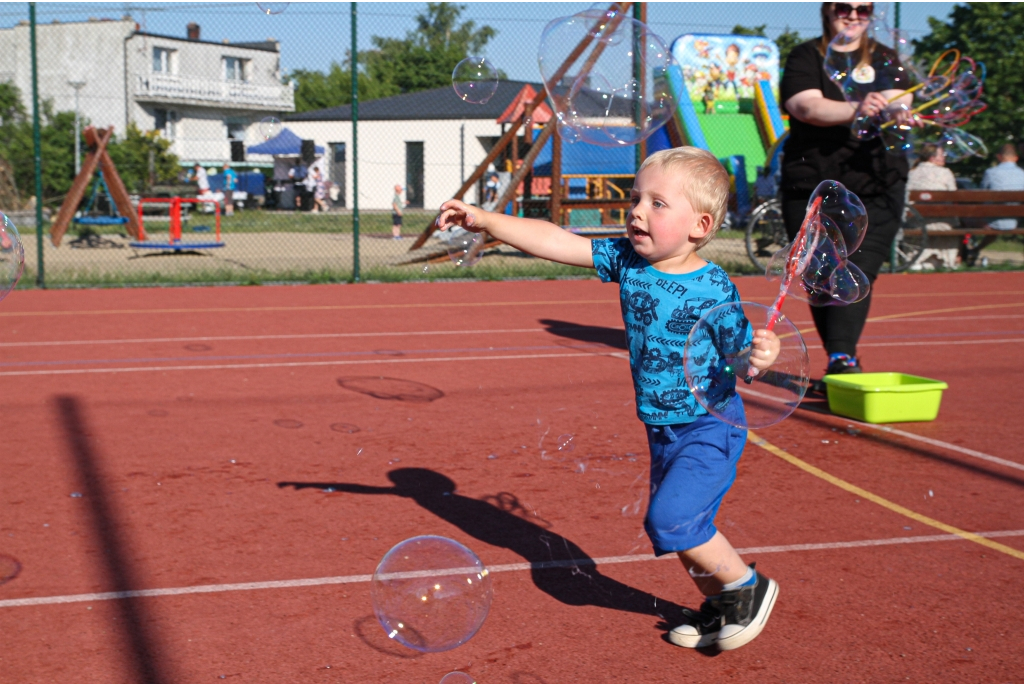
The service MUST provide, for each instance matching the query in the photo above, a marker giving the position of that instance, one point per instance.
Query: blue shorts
(693, 465)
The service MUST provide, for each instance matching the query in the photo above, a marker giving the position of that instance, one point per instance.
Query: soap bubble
(717, 355)
(12, 256)
(272, 7)
(430, 593)
(565, 443)
(845, 210)
(616, 91)
(464, 247)
(270, 127)
(458, 677)
(475, 80)
(815, 266)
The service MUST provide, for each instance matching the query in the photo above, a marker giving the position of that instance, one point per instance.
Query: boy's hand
(765, 349)
(457, 213)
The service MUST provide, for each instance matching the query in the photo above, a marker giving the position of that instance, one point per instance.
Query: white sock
(747, 579)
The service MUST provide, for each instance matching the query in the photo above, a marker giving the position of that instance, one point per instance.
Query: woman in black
(820, 146)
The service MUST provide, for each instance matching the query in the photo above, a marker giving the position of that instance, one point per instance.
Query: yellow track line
(881, 501)
(972, 308)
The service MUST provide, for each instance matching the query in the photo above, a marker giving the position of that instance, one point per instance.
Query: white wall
(92, 51)
(382, 154)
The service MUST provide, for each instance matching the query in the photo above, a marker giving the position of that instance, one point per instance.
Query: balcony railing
(229, 93)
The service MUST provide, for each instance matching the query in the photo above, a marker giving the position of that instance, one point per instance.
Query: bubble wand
(795, 266)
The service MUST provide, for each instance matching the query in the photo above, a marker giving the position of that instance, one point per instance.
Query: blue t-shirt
(230, 179)
(659, 309)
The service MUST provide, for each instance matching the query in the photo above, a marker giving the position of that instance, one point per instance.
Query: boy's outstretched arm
(533, 236)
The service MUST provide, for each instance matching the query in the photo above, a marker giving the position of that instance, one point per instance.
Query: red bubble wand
(796, 263)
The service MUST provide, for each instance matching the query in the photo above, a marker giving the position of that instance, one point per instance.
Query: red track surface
(179, 456)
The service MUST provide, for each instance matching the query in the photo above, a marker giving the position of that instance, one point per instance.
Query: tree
(424, 59)
(140, 157)
(989, 33)
(317, 90)
(143, 159)
(787, 40)
(741, 30)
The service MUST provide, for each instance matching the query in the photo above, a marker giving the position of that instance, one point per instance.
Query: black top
(815, 153)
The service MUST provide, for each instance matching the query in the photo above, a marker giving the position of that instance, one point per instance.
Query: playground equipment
(734, 82)
(97, 140)
(175, 243)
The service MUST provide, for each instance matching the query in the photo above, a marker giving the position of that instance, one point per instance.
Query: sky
(313, 35)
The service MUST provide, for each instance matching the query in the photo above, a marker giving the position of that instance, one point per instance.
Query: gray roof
(264, 45)
(438, 103)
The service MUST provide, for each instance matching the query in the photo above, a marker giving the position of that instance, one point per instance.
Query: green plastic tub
(884, 397)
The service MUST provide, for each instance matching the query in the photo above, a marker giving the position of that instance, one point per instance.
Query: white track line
(941, 342)
(381, 334)
(896, 431)
(269, 365)
(294, 336)
(939, 443)
(498, 568)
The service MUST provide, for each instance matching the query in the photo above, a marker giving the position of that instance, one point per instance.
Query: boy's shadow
(558, 565)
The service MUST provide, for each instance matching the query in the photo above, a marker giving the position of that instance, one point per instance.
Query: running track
(205, 428)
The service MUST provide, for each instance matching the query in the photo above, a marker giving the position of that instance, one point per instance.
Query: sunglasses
(845, 9)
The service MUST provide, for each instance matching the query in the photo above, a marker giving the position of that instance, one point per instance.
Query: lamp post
(77, 85)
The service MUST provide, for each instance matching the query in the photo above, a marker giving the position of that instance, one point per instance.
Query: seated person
(930, 173)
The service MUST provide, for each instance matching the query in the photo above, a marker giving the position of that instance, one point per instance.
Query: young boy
(678, 202)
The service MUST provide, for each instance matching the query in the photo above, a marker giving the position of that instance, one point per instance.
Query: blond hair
(703, 180)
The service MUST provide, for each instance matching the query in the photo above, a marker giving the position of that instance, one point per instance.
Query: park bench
(971, 210)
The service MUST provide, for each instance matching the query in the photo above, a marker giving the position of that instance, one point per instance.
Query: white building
(427, 142)
(200, 94)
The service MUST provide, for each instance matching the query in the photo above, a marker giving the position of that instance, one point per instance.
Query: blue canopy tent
(284, 143)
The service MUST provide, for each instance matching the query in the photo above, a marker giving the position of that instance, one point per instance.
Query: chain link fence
(265, 88)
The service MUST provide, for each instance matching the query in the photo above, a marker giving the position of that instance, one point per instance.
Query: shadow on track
(559, 566)
(612, 337)
(817, 413)
(140, 651)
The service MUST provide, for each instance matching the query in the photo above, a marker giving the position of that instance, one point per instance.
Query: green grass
(259, 221)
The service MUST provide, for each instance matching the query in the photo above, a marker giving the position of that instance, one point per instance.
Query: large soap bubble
(475, 80)
(12, 256)
(431, 593)
(717, 353)
(815, 267)
(606, 77)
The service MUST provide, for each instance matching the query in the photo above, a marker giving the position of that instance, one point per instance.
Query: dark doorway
(414, 173)
(338, 172)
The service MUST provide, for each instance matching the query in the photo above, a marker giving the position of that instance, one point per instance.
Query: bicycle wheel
(766, 233)
(910, 242)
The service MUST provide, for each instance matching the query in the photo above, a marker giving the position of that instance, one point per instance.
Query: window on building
(234, 69)
(236, 129)
(164, 121)
(163, 60)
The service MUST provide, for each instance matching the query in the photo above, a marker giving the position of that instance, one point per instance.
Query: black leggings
(840, 327)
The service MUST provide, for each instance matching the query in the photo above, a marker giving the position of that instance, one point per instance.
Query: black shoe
(701, 628)
(745, 611)
(843, 364)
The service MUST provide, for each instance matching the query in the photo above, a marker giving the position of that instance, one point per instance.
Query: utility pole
(77, 85)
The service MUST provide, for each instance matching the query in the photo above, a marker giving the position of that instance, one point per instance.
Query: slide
(725, 87)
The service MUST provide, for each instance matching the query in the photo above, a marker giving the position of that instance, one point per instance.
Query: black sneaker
(701, 628)
(745, 611)
(843, 364)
